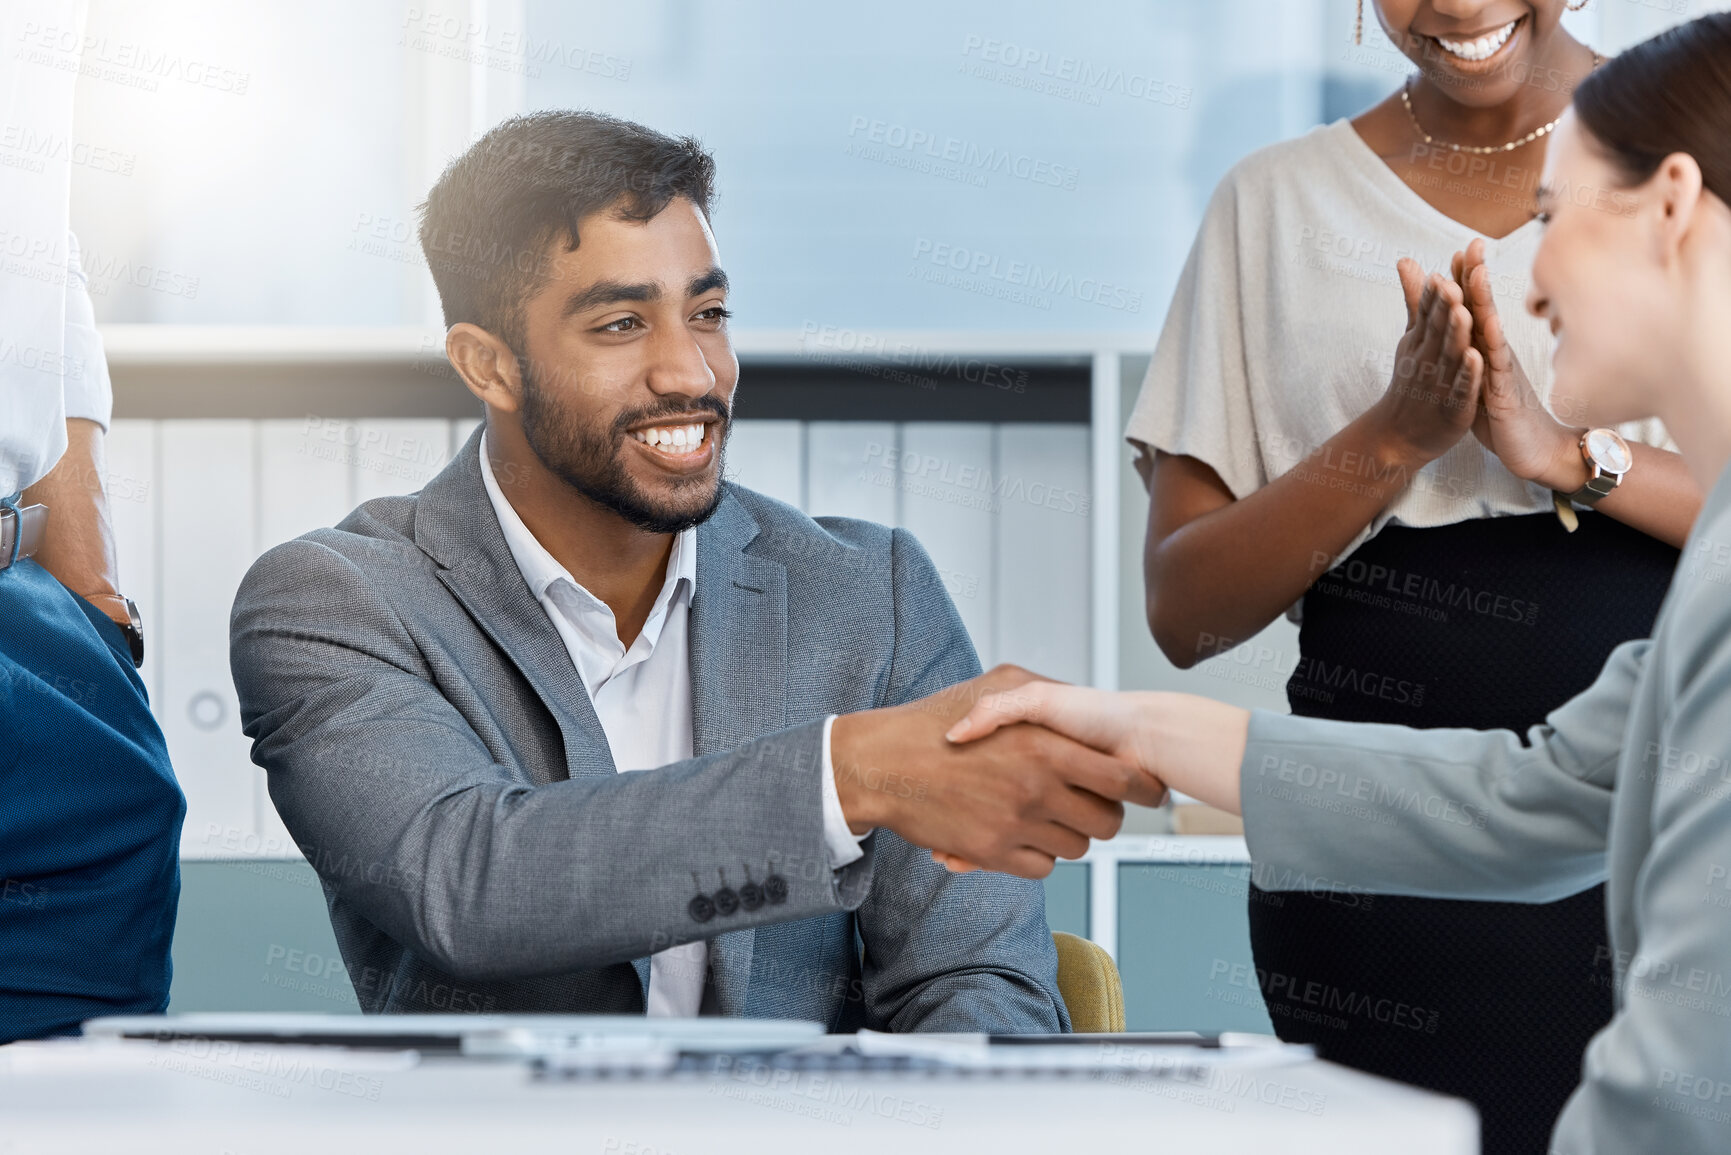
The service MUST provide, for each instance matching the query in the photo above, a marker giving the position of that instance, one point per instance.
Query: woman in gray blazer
(1628, 782)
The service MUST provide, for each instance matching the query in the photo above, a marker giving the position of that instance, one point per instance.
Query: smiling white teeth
(673, 438)
(1484, 47)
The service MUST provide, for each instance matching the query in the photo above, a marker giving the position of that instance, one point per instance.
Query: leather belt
(21, 531)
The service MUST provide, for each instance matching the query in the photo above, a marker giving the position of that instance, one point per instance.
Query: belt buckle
(21, 532)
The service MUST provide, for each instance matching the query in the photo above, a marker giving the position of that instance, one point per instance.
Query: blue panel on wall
(253, 935)
(1184, 949)
(1067, 898)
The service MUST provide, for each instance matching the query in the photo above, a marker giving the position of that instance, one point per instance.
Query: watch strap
(127, 618)
(1566, 512)
(114, 605)
(1598, 485)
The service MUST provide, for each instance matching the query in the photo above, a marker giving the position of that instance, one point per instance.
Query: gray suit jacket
(1631, 779)
(435, 754)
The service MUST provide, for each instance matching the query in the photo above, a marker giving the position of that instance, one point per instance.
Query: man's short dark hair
(489, 224)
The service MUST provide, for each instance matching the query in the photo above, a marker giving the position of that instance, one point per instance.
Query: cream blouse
(1284, 325)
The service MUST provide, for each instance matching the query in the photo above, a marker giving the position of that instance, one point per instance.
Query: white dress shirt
(51, 362)
(642, 696)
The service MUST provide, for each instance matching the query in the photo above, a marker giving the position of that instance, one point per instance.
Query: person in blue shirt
(90, 813)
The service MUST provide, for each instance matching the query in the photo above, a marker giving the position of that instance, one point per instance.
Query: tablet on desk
(464, 1034)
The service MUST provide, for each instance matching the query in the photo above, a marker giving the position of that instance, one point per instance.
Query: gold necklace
(1479, 149)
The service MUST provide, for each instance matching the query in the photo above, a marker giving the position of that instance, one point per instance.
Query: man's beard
(590, 460)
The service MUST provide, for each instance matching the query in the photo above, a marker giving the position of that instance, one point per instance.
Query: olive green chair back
(1088, 981)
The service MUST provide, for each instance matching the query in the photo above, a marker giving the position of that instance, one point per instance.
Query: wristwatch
(1608, 459)
(132, 627)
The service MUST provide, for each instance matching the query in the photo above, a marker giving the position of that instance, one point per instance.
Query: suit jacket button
(775, 889)
(751, 896)
(726, 902)
(700, 908)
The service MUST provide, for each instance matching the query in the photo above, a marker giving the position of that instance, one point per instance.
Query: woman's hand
(1195, 744)
(1106, 721)
(1512, 421)
(1434, 393)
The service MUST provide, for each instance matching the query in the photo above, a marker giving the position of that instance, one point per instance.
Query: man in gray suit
(449, 690)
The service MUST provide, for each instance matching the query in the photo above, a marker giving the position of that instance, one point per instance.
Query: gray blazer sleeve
(1658, 1078)
(461, 858)
(1458, 813)
(1442, 813)
(942, 951)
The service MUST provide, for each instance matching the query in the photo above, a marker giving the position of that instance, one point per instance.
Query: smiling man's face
(628, 368)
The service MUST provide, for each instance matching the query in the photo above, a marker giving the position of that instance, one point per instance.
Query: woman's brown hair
(1666, 95)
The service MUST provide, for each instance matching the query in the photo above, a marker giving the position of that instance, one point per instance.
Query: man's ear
(487, 366)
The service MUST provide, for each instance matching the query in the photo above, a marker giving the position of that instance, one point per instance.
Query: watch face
(1608, 450)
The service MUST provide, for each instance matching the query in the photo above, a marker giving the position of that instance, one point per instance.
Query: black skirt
(1487, 624)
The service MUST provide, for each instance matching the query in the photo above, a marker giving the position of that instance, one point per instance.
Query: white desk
(179, 1098)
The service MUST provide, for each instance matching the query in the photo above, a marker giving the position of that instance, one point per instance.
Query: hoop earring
(1358, 24)
(1576, 7)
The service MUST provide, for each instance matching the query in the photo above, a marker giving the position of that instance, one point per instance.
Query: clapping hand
(1512, 422)
(1433, 394)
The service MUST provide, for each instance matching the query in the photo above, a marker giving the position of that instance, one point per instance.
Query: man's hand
(78, 548)
(1195, 744)
(1016, 801)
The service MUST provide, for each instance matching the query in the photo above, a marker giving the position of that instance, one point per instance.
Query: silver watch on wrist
(1609, 460)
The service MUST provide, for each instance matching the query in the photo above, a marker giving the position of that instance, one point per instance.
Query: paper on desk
(1178, 1060)
(635, 1042)
(959, 1049)
(115, 1055)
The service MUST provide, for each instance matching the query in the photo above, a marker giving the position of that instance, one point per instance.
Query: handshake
(1010, 772)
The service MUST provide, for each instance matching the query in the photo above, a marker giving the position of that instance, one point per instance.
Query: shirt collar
(543, 573)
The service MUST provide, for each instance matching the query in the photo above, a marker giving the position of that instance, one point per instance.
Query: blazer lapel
(738, 651)
(738, 688)
(738, 636)
(457, 528)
